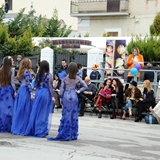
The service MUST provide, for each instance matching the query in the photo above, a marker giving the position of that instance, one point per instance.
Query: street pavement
(99, 139)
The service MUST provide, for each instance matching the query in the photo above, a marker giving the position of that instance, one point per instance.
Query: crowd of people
(27, 110)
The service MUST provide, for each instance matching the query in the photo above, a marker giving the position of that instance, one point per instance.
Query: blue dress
(22, 105)
(68, 129)
(42, 108)
(6, 105)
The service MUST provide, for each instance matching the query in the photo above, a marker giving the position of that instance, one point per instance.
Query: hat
(134, 83)
(95, 66)
(19, 56)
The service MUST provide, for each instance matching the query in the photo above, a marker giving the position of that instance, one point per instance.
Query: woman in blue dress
(68, 129)
(7, 94)
(23, 100)
(42, 104)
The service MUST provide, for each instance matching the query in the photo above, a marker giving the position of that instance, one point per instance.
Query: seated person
(104, 95)
(147, 100)
(95, 75)
(117, 96)
(149, 75)
(156, 111)
(132, 95)
(87, 95)
(56, 91)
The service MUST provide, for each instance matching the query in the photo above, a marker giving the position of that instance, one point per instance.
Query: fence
(123, 77)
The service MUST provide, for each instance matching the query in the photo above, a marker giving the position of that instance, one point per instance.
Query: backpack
(150, 119)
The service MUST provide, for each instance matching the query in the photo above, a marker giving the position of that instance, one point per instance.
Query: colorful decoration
(138, 66)
(134, 71)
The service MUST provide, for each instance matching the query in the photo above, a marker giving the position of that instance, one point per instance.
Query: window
(10, 4)
(113, 5)
(112, 34)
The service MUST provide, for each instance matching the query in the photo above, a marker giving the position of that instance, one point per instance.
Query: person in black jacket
(117, 96)
(62, 71)
(87, 95)
(149, 75)
(95, 75)
(147, 100)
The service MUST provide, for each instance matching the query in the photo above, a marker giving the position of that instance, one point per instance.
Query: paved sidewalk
(99, 139)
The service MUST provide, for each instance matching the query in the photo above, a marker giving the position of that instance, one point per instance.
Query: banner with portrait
(115, 57)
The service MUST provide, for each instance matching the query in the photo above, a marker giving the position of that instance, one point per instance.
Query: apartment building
(114, 17)
(95, 17)
(44, 8)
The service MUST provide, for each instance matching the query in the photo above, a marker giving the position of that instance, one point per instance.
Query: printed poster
(115, 57)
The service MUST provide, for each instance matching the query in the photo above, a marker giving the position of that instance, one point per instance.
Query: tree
(16, 35)
(156, 25)
(24, 43)
(55, 27)
(149, 47)
(2, 13)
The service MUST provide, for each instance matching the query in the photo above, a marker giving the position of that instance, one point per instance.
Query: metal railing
(155, 83)
(98, 6)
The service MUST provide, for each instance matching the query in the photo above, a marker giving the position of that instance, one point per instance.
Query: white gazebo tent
(94, 56)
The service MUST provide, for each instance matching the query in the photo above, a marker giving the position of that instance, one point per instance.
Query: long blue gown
(6, 104)
(22, 105)
(68, 129)
(42, 108)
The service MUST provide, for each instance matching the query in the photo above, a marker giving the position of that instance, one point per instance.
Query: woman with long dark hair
(23, 100)
(68, 129)
(104, 95)
(42, 104)
(117, 96)
(7, 94)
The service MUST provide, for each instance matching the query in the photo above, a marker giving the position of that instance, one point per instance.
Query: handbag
(150, 119)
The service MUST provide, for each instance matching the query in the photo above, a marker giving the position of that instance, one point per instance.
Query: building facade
(114, 17)
(95, 18)
(44, 8)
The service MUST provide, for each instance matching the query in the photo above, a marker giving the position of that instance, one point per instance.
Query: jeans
(127, 105)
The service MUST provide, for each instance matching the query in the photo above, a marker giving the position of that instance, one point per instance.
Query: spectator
(37, 66)
(134, 58)
(146, 101)
(149, 75)
(87, 95)
(56, 91)
(79, 73)
(156, 111)
(84, 73)
(117, 96)
(95, 75)
(132, 95)
(17, 64)
(104, 95)
(62, 71)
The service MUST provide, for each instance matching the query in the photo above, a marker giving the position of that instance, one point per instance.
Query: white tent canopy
(95, 56)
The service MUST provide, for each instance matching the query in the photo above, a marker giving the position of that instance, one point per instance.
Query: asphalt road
(99, 139)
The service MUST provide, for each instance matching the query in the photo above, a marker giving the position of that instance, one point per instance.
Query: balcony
(99, 8)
